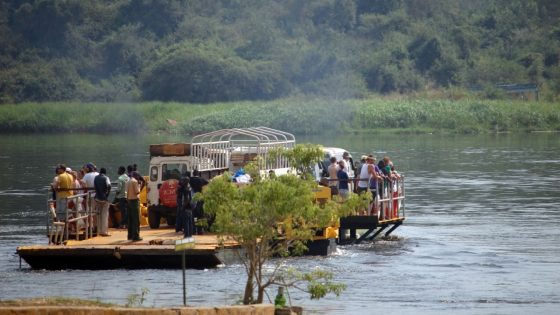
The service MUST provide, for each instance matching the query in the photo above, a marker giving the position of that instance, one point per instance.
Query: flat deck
(156, 250)
(150, 237)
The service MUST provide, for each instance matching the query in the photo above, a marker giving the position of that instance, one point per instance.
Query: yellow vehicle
(116, 213)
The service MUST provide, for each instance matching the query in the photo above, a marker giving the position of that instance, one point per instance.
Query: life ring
(168, 193)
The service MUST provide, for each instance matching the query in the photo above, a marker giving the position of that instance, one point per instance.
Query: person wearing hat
(349, 162)
(362, 162)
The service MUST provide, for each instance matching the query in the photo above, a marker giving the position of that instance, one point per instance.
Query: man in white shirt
(91, 172)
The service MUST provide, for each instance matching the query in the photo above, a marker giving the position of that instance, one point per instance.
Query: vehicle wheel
(171, 220)
(153, 218)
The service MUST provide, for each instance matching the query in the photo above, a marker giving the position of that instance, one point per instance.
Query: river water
(481, 236)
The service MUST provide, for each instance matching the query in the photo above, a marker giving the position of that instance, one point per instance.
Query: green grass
(296, 115)
(463, 116)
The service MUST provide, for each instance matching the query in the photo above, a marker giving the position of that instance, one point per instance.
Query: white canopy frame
(222, 149)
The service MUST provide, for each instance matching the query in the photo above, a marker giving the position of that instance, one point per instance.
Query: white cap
(68, 170)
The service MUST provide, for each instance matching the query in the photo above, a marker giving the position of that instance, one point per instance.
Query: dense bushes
(38, 81)
(223, 50)
(206, 74)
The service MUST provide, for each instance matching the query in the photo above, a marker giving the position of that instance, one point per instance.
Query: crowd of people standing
(68, 183)
(344, 177)
(363, 177)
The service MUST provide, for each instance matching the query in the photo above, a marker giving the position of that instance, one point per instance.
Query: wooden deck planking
(154, 241)
(151, 238)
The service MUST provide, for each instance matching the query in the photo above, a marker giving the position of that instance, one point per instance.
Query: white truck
(211, 154)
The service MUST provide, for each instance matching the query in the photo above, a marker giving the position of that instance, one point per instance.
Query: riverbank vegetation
(296, 115)
(229, 51)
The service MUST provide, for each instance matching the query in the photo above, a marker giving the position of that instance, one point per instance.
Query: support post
(353, 234)
(364, 236)
(182, 246)
(341, 235)
(383, 227)
(66, 233)
(184, 282)
(394, 227)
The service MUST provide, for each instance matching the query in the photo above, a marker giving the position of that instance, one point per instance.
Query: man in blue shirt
(102, 186)
(342, 176)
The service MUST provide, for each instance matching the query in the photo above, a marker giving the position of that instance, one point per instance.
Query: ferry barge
(155, 251)
(73, 243)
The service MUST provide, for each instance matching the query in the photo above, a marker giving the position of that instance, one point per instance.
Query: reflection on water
(481, 234)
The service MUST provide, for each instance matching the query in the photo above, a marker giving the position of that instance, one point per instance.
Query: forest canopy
(203, 51)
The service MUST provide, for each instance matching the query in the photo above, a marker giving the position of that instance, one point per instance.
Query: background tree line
(205, 51)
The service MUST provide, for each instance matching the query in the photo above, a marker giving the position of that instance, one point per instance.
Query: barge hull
(372, 224)
(99, 258)
(156, 251)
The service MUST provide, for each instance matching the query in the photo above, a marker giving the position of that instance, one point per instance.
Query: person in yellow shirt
(62, 186)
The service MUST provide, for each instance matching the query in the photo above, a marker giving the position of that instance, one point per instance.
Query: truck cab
(211, 154)
(164, 175)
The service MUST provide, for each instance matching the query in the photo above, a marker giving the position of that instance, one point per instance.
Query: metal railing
(222, 149)
(390, 196)
(73, 216)
(389, 199)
